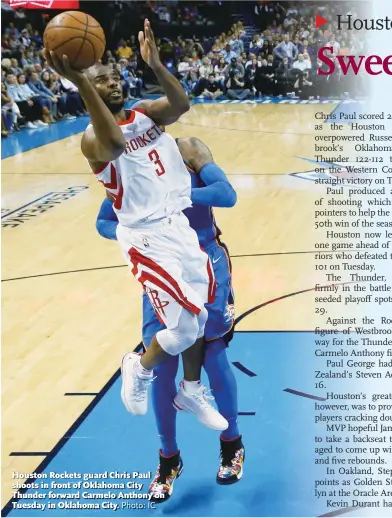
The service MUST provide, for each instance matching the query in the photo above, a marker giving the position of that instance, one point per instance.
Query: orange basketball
(77, 35)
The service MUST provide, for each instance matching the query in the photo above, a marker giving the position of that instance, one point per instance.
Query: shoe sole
(123, 388)
(207, 425)
(163, 500)
(230, 482)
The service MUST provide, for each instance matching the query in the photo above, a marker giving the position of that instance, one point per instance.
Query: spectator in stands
(256, 44)
(38, 87)
(236, 88)
(195, 58)
(211, 88)
(217, 46)
(250, 74)
(128, 71)
(13, 42)
(25, 38)
(29, 91)
(300, 72)
(15, 68)
(283, 77)
(123, 50)
(286, 49)
(228, 54)
(11, 28)
(31, 59)
(206, 68)
(51, 81)
(36, 38)
(74, 101)
(289, 21)
(12, 115)
(240, 66)
(221, 71)
(5, 46)
(265, 78)
(6, 64)
(184, 70)
(236, 44)
(28, 105)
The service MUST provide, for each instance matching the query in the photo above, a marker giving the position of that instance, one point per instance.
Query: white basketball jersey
(149, 181)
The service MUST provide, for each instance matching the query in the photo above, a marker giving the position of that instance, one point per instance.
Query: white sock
(191, 386)
(142, 372)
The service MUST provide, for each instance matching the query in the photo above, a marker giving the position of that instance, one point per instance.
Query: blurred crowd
(276, 54)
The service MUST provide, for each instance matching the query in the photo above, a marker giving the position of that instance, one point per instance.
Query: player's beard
(115, 107)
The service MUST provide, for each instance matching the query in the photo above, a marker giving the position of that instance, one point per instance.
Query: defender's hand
(63, 68)
(148, 48)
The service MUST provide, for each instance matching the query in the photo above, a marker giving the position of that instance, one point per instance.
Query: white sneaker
(40, 123)
(30, 125)
(134, 389)
(198, 403)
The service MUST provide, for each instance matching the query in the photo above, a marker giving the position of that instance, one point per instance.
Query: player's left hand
(63, 68)
(148, 48)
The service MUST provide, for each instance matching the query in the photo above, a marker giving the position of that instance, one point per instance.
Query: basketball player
(210, 188)
(142, 168)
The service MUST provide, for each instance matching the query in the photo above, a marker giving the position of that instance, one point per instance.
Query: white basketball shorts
(166, 258)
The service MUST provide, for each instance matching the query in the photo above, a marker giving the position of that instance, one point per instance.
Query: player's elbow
(100, 226)
(183, 106)
(230, 196)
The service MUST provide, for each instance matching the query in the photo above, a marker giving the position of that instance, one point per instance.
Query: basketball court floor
(71, 309)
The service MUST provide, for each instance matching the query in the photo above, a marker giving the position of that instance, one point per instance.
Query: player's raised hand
(148, 48)
(63, 68)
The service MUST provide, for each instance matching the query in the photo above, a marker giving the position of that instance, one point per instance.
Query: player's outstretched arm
(218, 191)
(105, 141)
(170, 108)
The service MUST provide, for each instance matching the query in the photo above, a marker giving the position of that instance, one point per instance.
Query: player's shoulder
(190, 144)
(194, 152)
(142, 107)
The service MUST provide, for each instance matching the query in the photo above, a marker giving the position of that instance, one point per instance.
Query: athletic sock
(142, 372)
(191, 386)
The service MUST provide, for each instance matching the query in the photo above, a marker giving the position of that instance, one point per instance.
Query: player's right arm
(104, 141)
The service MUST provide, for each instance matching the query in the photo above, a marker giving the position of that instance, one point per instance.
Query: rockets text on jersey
(149, 180)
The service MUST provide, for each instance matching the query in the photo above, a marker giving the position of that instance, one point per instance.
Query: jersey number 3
(154, 157)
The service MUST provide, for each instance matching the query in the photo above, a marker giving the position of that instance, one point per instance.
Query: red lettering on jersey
(150, 134)
(154, 157)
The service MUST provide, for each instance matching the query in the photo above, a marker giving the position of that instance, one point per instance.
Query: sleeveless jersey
(201, 217)
(149, 180)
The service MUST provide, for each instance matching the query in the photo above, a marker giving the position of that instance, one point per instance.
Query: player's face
(106, 81)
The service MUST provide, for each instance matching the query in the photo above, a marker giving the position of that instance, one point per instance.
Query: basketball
(77, 35)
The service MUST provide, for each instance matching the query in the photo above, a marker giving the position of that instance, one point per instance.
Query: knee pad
(177, 340)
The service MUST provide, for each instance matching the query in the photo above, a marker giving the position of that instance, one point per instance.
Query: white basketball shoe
(135, 383)
(198, 403)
